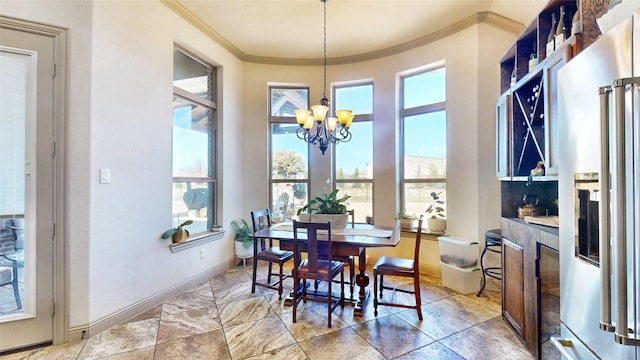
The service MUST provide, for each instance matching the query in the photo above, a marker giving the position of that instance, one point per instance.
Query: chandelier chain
(324, 88)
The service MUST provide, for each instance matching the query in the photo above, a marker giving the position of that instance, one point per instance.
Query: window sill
(203, 239)
(429, 235)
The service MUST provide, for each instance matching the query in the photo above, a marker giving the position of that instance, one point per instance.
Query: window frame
(403, 113)
(213, 213)
(358, 118)
(272, 119)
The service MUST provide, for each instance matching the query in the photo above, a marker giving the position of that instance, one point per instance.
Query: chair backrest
(261, 219)
(416, 254)
(352, 213)
(315, 252)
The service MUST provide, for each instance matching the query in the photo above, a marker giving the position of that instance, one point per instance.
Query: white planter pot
(406, 224)
(243, 252)
(437, 226)
(338, 221)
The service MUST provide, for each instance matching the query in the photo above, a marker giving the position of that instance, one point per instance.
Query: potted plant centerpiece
(437, 222)
(407, 220)
(242, 238)
(327, 207)
(178, 234)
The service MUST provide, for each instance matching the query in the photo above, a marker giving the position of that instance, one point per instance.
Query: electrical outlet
(201, 254)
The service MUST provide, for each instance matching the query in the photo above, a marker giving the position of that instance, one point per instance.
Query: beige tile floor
(222, 319)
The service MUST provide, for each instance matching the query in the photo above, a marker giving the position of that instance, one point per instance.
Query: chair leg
(375, 292)
(381, 285)
(280, 284)
(329, 303)
(269, 275)
(255, 273)
(352, 276)
(342, 289)
(416, 288)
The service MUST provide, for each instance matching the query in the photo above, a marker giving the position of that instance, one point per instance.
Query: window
(194, 142)
(288, 156)
(354, 159)
(423, 129)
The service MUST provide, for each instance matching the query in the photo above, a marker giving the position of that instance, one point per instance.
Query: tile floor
(221, 319)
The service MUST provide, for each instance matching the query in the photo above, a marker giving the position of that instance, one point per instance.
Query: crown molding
(486, 17)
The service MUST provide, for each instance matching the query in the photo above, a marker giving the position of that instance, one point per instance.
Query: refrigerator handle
(604, 213)
(619, 230)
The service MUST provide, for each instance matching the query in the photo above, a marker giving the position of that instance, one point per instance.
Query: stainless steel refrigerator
(599, 197)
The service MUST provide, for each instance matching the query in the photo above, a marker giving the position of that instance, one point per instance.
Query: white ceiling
(293, 29)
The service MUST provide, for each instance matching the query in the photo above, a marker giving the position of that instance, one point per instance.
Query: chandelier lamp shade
(315, 127)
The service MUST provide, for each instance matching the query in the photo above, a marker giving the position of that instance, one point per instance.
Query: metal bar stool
(493, 243)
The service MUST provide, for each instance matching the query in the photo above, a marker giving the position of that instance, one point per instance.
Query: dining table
(345, 242)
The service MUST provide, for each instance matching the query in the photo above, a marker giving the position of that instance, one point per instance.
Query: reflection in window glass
(425, 158)
(285, 101)
(354, 159)
(424, 88)
(289, 161)
(417, 196)
(192, 76)
(358, 99)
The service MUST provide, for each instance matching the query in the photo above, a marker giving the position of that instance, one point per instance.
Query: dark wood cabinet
(513, 286)
(522, 290)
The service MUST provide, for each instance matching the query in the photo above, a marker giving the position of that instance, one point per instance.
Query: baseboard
(430, 270)
(82, 332)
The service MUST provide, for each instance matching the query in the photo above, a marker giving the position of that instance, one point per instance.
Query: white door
(27, 152)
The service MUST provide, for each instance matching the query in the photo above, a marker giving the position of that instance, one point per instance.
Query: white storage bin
(462, 280)
(459, 252)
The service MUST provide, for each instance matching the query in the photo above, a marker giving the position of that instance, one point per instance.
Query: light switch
(105, 176)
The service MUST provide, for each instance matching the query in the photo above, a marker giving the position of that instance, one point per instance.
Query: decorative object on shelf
(437, 222)
(576, 22)
(539, 169)
(407, 220)
(533, 58)
(561, 29)
(179, 233)
(513, 76)
(551, 38)
(332, 130)
(327, 207)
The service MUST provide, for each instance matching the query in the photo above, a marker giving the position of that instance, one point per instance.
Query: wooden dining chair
(346, 259)
(313, 267)
(392, 266)
(264, 250)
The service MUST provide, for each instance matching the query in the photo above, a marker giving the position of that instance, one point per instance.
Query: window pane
(354, 159)
(190, 201)
(358, 99)
(424, 89)
(191, 140)
(425, 146)
(284, 102)
(288, 153)
(287, 199)
(192, 76)
(361, 200)
(417, 197)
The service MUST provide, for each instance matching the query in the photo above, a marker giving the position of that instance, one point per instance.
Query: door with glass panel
(27, 153)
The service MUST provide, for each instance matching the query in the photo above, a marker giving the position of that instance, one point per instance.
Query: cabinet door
(551, 118)
(513, 286)
(503, 126)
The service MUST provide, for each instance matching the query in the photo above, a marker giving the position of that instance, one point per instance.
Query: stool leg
(484, 276)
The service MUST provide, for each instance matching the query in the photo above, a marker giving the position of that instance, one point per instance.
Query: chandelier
(327, 131)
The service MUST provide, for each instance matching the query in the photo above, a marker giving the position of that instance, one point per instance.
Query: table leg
(362, 280)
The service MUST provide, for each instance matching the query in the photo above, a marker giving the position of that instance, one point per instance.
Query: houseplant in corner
(437, 222)
(179, 233)
(406, 220)
(327, 207)
(242, 238)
